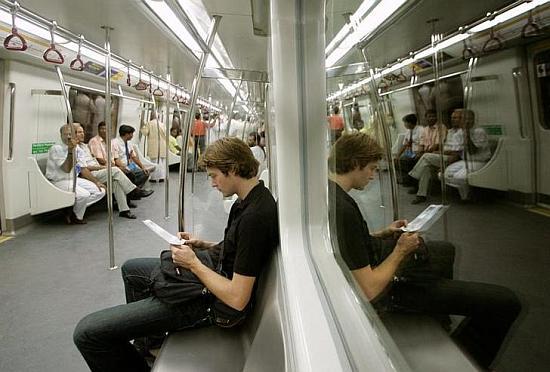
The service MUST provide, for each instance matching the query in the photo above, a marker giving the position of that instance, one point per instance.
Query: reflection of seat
(493, 175)
(257, 345)
(44, 196)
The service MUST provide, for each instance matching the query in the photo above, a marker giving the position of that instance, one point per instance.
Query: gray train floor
(51, 275)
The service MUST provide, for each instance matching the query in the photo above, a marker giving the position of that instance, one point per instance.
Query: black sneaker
(127, 214)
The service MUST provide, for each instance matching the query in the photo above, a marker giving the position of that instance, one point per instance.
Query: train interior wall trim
(365, 117)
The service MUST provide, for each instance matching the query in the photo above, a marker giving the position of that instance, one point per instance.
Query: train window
(88, 109)
(477, 92)
(541, 63)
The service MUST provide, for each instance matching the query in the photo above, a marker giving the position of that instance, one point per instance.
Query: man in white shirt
(452, 148)
(59, 170)
(128, 161)
(122, 186)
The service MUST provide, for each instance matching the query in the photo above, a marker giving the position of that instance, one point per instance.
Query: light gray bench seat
(256, 345)
(425, 345)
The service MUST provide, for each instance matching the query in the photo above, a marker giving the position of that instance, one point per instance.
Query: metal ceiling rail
(40, 21)
(346, 70)
(235, 74)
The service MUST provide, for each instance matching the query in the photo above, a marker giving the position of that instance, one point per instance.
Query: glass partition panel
(466, 128)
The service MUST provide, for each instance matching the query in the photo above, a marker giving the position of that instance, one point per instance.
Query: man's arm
(373, 281)
(136, 160)
(235, 292)
(85, 173)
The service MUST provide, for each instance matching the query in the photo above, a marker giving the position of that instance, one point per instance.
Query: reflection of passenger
(335, 124)
(128, 161)
(408, 153)
(199, 136)
(83, 109)
(356, 120)
(395, 280)
(250, 238)
(478, 153)
(122, 186)
(156, 146)
(59, 170)
(431, 161)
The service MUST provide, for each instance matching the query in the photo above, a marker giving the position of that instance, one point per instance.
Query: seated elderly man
(122, 186)
(431, 161)
(59, 170)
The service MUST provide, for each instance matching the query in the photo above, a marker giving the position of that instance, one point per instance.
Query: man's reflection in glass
(399, 272)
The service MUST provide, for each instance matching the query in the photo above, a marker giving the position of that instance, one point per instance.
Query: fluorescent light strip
(383, 10)
(510, 14)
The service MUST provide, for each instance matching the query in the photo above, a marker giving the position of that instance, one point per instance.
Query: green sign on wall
(41, 147)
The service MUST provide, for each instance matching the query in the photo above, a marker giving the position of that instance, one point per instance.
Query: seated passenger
(97, 145)
(477, 153)
(122, 186)
(398, 272)
(59, 170)
(407, 155)
(254, 139)
(128, 161)
(250, 238)
(174, 146)
(431, 161)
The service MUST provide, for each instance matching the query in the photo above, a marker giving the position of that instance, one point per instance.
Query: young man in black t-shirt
(250, 238)
(388, 273)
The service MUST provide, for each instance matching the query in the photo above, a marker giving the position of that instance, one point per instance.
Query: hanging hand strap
(52, 55)
(140, 85)
(128, 80)
(15, 41)
(158, 92)
(493, 43)
(531, 29)
(77, 64)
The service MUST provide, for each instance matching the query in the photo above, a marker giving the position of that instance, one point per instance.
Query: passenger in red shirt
(336, 124)
(199, 136)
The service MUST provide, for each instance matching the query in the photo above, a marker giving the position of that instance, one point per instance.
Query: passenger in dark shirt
(395, 279)
(250, 238)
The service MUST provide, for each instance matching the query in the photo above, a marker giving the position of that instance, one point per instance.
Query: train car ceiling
(150, 35)
(509, 23)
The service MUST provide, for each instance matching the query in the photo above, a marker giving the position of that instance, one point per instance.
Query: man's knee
(84, 332)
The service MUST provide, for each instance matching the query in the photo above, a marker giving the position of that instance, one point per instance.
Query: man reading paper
(398, 272)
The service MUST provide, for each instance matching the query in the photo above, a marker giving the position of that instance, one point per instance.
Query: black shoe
(412, 191)
(127, 214)
(145, 193)
(131, 205)
(419, 199)
(135, 194)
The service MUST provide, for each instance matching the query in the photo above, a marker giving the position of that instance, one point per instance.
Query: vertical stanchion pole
(69, 120)
(230, 115)
(378, 111)
(108, 29)
(194, 95)
(167, 149)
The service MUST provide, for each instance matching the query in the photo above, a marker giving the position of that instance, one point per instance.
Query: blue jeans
(103, 338)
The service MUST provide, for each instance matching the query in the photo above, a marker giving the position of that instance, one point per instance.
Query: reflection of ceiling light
(426, 52)
(374, 18)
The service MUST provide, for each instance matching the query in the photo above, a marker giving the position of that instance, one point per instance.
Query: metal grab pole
(108, 124)
(386, 135)
(69, 120)
(166, 150)
(194, 94)
(12, 120)
(230, 116)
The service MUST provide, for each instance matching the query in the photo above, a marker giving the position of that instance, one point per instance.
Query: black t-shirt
(251, 235)
(356, 246)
